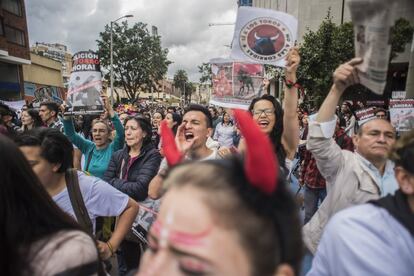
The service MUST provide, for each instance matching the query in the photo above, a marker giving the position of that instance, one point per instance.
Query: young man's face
(45, 113)
(381, 115)
(196, 128)
(41, 167)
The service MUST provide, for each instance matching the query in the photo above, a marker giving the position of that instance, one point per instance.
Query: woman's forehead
(99, 125)
(263, 103)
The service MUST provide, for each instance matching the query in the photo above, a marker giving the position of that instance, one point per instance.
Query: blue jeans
(313, 198)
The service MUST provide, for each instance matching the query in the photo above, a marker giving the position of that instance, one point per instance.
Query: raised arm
(83, 144)
(344, 76)
(327, 153)
(290, 137)
(118, 142)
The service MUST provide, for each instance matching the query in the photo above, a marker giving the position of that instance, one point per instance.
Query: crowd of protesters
(181, 192)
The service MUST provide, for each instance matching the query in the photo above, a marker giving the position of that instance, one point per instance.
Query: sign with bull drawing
(85, 85)
(235, 84)
(263, 36)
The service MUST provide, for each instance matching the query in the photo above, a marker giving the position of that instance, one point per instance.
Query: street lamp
(111, 52)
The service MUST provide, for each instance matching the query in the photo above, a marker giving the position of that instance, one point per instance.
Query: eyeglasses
(266, 111)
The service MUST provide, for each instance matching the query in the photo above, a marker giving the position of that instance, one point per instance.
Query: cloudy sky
(182, 24)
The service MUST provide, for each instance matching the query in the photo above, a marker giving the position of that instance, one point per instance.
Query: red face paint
(181, 238)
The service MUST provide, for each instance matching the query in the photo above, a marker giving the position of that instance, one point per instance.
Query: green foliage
(322, 51)
(139, 61)
(401, 34)
(181, 82)
(205, 71)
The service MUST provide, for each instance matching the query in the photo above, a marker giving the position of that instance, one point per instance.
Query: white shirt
(364, 240)
(224, 135)
(101, 199)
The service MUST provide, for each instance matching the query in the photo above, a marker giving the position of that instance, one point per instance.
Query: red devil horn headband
(261, 166)
(171, 152)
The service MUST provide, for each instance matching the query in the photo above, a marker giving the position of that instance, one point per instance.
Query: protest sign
(372, 23)
(14, 105)
(364, 115)
(235, 84)
(378, 103)
(85, 85)
(402, 114)
(263, 36)
(398, 94)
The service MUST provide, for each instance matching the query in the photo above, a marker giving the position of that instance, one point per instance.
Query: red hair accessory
(261, 166)
(171, 152)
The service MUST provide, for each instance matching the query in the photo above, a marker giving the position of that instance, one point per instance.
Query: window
(13, 6)
(9, 72)
(14, 35)
(245, 3)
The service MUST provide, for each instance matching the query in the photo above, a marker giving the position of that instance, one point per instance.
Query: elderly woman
(130, 171)
(99, 151)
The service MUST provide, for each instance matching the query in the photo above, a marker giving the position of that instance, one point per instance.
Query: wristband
(110, 248)
(289, 84)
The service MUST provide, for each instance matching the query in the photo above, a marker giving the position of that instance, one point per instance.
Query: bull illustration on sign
(264, 45)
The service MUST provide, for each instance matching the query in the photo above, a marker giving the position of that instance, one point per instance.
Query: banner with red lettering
(85, 85)
(402, 114)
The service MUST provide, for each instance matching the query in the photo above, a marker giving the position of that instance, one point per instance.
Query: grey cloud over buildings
(182, 24)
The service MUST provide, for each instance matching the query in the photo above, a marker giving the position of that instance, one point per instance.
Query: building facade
(311, 13)
(14, 49)
(58, 52)
(43, 80)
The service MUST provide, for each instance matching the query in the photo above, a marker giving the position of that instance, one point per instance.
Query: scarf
(397, 206)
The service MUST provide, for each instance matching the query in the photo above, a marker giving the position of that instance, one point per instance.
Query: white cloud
(182, 24)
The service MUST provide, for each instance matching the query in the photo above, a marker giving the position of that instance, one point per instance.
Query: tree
(321, 52)
(205, 71)
(181, 82)
(190, 88)
(331, 45)
(401, 34)
(139, 61)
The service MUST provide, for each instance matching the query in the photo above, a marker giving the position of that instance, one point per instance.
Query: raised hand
(183, 144)
(346, 74)
(292, 63)
(107, 105)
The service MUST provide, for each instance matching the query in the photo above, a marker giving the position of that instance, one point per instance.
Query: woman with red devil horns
(225, 217)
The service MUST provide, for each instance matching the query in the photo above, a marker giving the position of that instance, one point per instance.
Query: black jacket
(142, 170)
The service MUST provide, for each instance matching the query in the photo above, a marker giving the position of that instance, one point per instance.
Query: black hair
(144, 124)
(204, 110)
(172, 108)
(214, 110)
(52, 106)
(55, 147)
(276, 134)
(268, 226)
(222, 118)
(178, 119)
(28, 214)
(342, 121)
(34, 114)
(160, 111)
